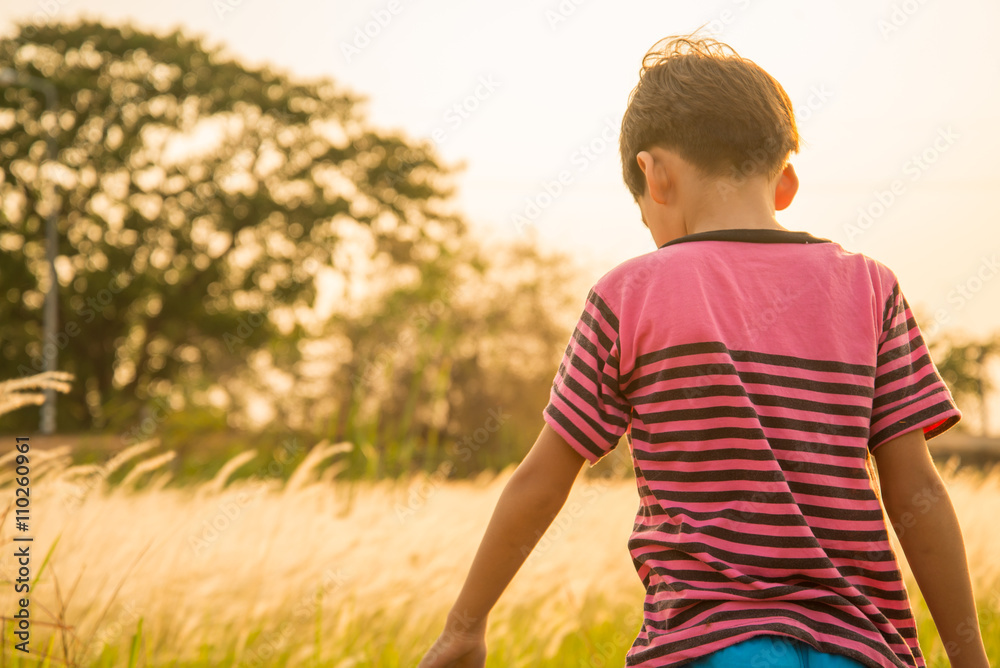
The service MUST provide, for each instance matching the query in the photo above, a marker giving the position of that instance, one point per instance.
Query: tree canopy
(198, 200)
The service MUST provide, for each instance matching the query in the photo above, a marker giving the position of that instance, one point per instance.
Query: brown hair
(719, 111)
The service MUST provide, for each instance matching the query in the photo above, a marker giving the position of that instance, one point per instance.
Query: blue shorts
(772, 651)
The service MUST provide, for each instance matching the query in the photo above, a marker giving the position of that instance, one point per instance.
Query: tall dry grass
(321, 572)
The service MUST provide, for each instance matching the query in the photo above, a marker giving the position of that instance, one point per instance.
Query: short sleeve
(909, 391)
(585, 406)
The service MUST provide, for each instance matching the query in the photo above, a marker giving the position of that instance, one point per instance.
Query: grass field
(306, 570)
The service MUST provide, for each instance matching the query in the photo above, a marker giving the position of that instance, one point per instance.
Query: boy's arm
(922, 515)
(533, 496)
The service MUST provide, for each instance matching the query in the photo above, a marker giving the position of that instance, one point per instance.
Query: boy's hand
(457, 648)
(923, 517)
(530, 500)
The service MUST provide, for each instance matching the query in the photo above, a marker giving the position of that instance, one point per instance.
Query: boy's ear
(653, 173)
(788, 185)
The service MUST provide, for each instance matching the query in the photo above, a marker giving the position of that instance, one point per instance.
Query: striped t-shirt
(753, 371)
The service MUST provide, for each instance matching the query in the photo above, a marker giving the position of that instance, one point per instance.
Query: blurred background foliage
(240, 253)
(242, 260)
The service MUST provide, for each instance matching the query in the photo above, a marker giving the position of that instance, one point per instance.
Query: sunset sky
(890, 96)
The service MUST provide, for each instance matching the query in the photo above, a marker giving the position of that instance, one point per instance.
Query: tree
(964, 366)
(465, 373)
(198, 200)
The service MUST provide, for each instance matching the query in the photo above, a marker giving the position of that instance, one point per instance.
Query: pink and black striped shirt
(753, 373)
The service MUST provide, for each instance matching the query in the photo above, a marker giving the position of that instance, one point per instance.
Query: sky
(897, 104)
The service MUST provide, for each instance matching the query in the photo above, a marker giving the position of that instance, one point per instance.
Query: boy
(755, 371)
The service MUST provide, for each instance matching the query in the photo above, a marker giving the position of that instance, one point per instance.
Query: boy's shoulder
(634, 275)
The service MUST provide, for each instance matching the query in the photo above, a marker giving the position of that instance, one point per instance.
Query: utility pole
(50, 350)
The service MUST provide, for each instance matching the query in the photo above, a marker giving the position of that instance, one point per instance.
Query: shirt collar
(761, 236)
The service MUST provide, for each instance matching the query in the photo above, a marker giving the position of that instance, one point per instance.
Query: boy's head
(720, 113)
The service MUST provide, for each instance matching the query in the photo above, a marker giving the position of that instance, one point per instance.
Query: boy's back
(756, 369)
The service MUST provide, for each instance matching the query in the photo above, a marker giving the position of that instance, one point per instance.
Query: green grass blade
(133, 653)
(45, 561)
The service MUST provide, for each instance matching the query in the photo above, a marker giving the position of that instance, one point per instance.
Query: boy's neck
(727, 205)
(715, 224)
(746, 208)
(680, 199)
